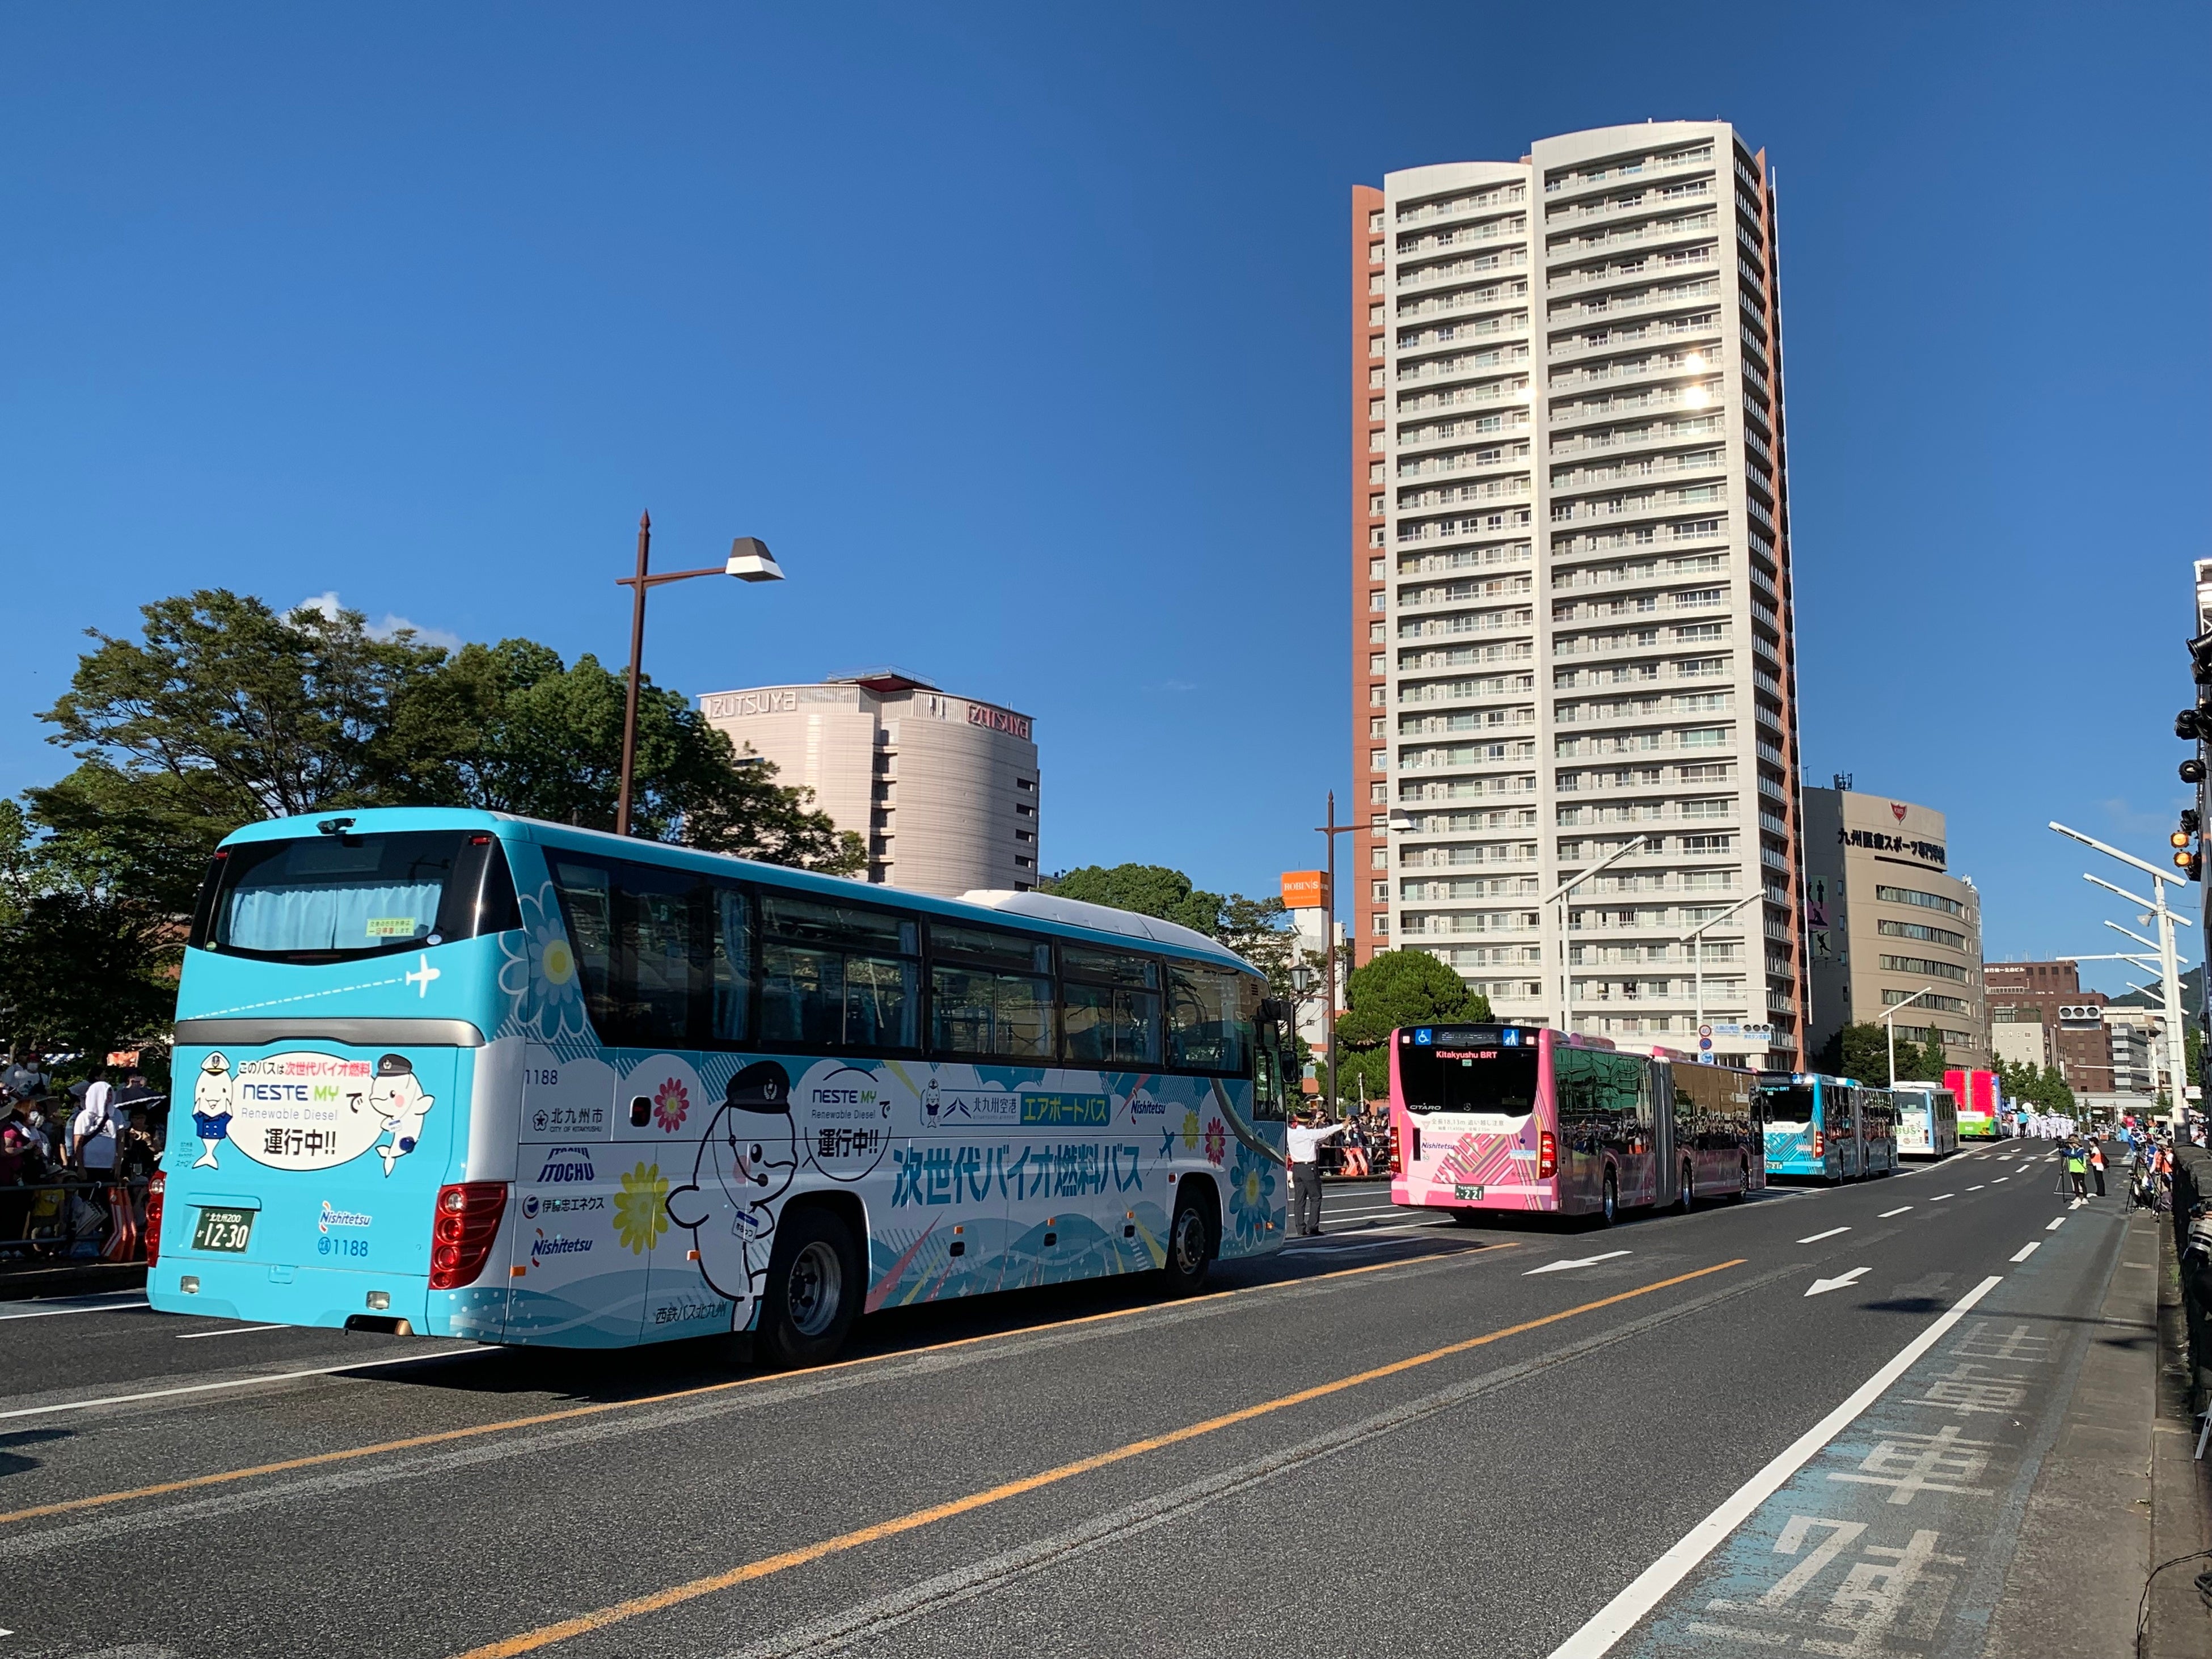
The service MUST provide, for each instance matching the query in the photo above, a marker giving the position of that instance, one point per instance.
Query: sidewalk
(2119, 1490)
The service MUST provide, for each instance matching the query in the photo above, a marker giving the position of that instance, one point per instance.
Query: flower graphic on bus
(671, 1105)
(1190, 1133)
(540, 972)
(1217, 1141)
(1251, 1195)
(640, 1215)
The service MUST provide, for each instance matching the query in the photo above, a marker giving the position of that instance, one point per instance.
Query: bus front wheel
(1688, 1199)
(1608, 1207)
(812, 1296)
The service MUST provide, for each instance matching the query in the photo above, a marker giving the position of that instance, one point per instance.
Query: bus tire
(1189, 1245)
(1686, 1201)
(1743, 1185)
(814, 1286)
(1608, 1204)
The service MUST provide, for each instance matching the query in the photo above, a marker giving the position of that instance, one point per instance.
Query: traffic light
(2200, 658)
(2192, 770)
(2185, 725)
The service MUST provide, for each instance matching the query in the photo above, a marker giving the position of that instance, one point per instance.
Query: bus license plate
(1468, 1195)
(223, 1230)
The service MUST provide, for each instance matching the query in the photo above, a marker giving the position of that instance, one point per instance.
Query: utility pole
(1695, 939)
(1331, 830)
(1889, 1029)
(1558, 896)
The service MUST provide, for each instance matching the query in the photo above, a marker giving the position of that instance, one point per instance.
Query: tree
(1396, 988)
(1933, 1061)
(1864, 1054)
(1150, 890)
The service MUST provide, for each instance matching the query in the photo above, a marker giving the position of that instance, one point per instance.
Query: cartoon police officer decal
(745, 1165)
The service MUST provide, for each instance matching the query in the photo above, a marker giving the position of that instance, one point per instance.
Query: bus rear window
(1788, 1105)
(1482, 1079)
(325, 898)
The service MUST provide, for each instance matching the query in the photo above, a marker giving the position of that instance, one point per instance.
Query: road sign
(1705, 1043)
(1705, 1031)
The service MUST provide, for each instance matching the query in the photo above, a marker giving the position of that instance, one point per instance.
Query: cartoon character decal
(747, 1159)
(211, 1108)
(399, 1103)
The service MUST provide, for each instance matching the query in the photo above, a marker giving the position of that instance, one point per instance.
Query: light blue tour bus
(463, 1074)
(1827, 1129)
(1927, 1120)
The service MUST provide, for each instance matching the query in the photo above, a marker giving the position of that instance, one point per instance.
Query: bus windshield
(1469, 1080)
(325, 898)
(1791, 1105)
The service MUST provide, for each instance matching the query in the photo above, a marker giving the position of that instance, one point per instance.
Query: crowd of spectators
(75, 1160)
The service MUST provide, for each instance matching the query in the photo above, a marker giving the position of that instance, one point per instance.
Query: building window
(1021, 863)
(1375, 222)
(1378, 793)
(1378, 664)
(1379, 925)
(1375, 536)
(1378, 760)
(1377, 632)
(1375, 598)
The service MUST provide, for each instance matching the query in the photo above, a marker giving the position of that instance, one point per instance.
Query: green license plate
(1465, 1194)
(223, 1230)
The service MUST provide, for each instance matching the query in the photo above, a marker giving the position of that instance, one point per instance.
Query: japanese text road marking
(1620, 1615)
(676, 1595)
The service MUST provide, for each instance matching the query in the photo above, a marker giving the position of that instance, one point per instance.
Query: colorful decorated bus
(468, 1075)
(1927, 1121)
(1827, 1129)
(1514, 1117)
(1981, 1104)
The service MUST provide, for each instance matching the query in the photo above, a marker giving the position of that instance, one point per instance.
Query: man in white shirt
(1305, 1173)
(92, 1130)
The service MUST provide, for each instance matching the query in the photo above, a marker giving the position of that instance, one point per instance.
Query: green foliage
(1865, 1053)
(223, 712)
(1395, 988)
(2038, 1086)
(1150, 890)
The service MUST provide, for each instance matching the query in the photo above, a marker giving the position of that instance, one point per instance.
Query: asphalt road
(1402, 1438)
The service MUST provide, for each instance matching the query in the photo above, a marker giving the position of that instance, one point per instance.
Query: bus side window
(1204, 1030)
(586, 896)
(658, 948)
(837, 976)
(1110, 1006)
(730, 965)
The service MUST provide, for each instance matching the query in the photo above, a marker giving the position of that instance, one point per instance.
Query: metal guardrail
(71, 1216)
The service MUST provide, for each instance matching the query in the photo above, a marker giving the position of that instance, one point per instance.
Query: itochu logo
(567, 1163)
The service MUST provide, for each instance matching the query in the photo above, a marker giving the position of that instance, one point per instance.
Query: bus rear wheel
(812, 1296)
(1608, 1206)
(1689, 1198)
(1743, 1185)
(1190, 1248)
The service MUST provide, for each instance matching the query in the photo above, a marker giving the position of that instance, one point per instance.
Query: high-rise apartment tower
(1572, 583)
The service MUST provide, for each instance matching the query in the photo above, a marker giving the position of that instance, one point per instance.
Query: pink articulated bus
(1519, 1118)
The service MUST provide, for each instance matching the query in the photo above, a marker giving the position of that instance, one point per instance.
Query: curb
(2179, 1626)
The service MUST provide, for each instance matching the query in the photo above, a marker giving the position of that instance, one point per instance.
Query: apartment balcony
(1656, 399)
(1466, 365)
(1576, 479)
(1468, 593)
(1499, 489)
(1661, 200)
(1462, 207)
(1506, 553)
(1695, 225)
(1572, 183)
(1632, 373)
(1480, 328)
(1500, 456)
(1657, 332)
(1636, 270)
(1506, 228)
(1506, 389)
(1662, 296)
(1462, 269)
(1674, 432)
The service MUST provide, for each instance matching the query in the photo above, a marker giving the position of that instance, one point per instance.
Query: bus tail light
(154, 1219)
(467, 1221)
(1547, 1154)
(1819, 1143)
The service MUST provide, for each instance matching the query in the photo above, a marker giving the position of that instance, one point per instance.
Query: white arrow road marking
(2028, 1251)
(1899, 1210)
(1850, 1277)
(2056, 1222)
(1817, 1238)
(1561, 1267)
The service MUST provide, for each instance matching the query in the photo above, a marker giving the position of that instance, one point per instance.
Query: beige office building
(1888, 920)
(943, 788)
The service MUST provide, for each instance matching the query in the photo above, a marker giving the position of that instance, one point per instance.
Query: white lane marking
(1620, 1615)
(2057, 1223)
(235, 1330)
(241, 1383)
(1831, 1233)
(1899, 1210)
(1940, 1197)
(2000, 1178)
(1357, 1215)
(136, 1301)
(1821, 1286)
(1582, 1261)
(1370, 1232)
(1976, 1188)
(2026, 1251)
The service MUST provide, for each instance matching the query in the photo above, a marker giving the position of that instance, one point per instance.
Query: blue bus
(1927, 1121)
(1827, 1129)
(463, 1074)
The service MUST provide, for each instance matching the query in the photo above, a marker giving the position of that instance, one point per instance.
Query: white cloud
(388, 627)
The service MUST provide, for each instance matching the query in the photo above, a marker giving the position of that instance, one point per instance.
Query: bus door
(1675, 1130)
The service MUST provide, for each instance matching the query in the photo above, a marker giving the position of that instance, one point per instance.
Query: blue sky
(1020, 334)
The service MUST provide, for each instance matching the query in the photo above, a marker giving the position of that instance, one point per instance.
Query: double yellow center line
(675, 1595)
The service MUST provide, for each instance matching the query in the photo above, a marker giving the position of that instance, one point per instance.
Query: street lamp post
(1695, 939)
(750, 561)
(1330, 831)
(2177, 1048)
(1558, 896)
(1889, 1029)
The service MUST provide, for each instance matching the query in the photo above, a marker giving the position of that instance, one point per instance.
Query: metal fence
(74, 1217)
